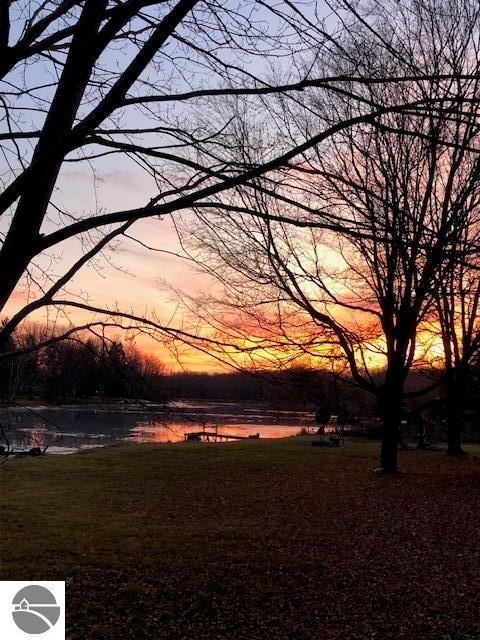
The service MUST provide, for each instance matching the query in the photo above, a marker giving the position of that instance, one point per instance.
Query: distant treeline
(103, 370)
(99, 369)
(75, 370)
(291, 389)
(78, 369)
(299, 388)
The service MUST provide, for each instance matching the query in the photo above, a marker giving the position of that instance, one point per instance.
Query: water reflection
(70, 428)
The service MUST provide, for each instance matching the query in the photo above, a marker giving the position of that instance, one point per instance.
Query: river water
(68, 428)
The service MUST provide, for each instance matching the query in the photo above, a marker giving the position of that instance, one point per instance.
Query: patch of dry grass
(264, 539)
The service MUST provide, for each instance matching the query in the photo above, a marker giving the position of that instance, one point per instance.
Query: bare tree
(400, 190)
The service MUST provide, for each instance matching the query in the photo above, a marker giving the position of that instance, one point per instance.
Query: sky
(132, 278)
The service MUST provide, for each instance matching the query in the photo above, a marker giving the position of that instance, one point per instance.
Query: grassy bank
(265, 539)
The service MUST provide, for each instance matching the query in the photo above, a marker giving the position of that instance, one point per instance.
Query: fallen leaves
(273, 542)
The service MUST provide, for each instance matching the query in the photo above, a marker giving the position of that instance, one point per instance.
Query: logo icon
(35, 609)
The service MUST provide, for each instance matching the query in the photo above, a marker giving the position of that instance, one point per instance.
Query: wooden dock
(214, 436)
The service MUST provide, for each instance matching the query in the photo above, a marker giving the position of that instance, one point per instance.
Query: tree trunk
(21, 241)
(456, 383)
(389, 449)
(454, 437)
(391, 412)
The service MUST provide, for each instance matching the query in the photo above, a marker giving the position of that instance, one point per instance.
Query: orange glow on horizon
(187, 358)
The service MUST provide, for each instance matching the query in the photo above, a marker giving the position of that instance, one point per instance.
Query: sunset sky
(135, 279)
(132, 278)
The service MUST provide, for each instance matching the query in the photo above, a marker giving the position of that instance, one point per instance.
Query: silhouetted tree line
(97, 369)
(78, 369)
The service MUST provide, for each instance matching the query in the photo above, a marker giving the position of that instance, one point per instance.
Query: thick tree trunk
(454, 436)
(391, 412)
(389, 449)
(21, 241)
(456, 390)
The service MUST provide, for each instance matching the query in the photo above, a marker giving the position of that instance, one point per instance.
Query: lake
(68, 428)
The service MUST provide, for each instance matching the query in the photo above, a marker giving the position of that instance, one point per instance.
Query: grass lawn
(254, 540)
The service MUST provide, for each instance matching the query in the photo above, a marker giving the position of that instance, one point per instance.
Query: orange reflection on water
(153, 431)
